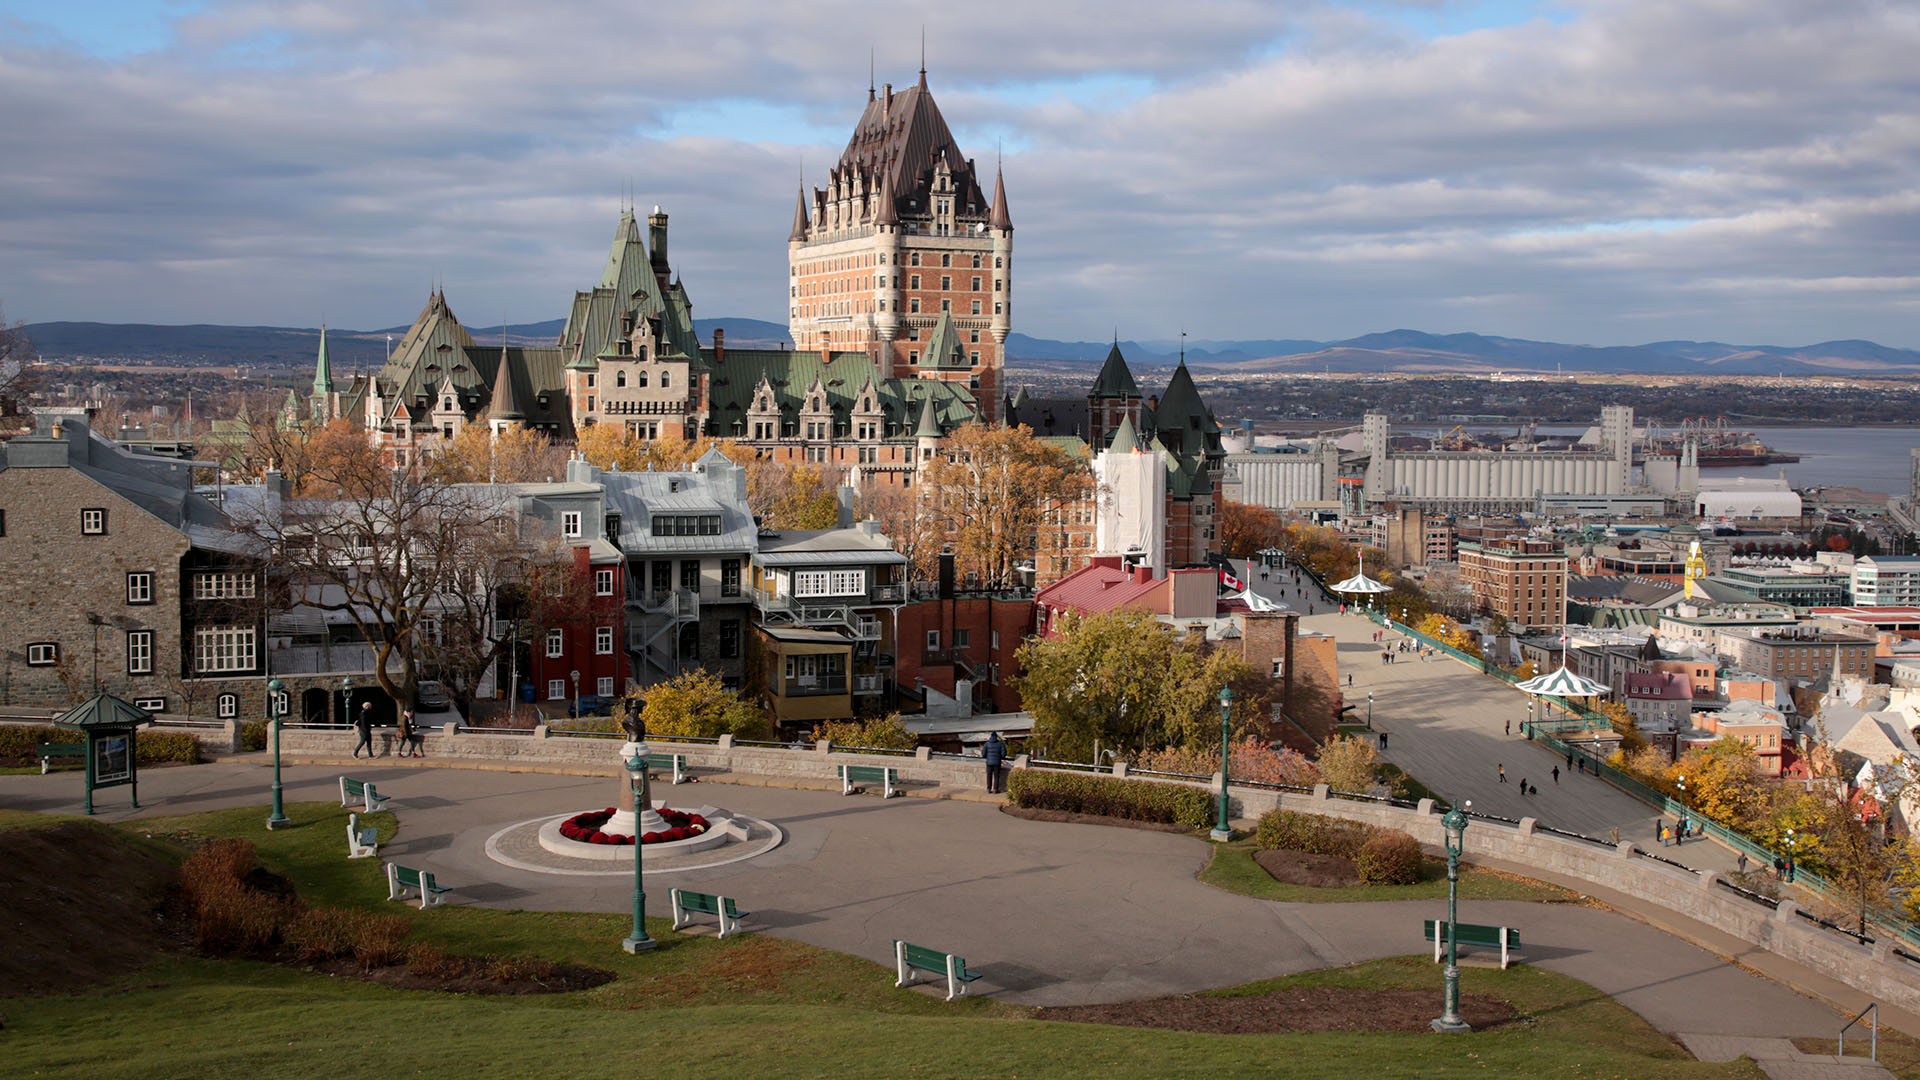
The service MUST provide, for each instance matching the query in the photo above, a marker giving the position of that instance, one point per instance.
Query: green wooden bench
(359, 791)
(669, 763)
(687, 903)
(60, 753)
(1504, 938)
(884, 775)
(361, 843)
(402, 880)
(910, 959)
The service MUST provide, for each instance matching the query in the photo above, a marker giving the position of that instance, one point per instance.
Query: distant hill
(1392, 351)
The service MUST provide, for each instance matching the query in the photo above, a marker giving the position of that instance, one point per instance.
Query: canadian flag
(1227, 580)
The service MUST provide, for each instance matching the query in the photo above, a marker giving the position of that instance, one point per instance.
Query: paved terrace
(1052, 913)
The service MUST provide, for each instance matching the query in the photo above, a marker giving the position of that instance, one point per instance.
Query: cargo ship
(1719, 446)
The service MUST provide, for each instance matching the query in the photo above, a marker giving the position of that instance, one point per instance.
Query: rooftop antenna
(923, 54)
(1183, 346)
(869, 72)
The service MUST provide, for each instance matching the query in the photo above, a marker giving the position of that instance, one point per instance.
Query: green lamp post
(1221, 832)
(278, 819)
(346, 699)
(638, 941)
(1449, 1022)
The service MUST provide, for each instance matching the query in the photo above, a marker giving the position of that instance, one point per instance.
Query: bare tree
(17, 356)
(389, 548)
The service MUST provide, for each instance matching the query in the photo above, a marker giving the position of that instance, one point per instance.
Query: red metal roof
(1659, 685)
(1103, 586)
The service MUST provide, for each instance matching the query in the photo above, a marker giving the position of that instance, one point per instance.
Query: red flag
(1229, 581)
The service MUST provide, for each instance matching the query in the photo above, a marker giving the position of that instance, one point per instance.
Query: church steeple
(322, 368)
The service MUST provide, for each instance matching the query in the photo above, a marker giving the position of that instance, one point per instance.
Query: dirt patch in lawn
(1092, 819)
(1314, 871)
(80, 903)
(1279, 1012)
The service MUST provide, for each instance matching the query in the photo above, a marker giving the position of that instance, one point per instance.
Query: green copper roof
(103, 711)
(506, 400)
(1126, 436)
(944, 349)
(1115, 379)
(790, 373)
(322, 369)
(929, 426)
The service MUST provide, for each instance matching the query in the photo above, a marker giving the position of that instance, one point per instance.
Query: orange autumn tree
(1001, 496)
(1246, 529)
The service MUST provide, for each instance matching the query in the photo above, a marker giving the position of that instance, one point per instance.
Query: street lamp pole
(278, 819)
(1449, 1022)
(637, 941)
(1221, 832)
(576, 691)
(1369, 710)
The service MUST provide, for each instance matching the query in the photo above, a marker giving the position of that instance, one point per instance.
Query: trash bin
(526, 693)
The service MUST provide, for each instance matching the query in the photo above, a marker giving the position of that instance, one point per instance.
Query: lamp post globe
(346, 699)
(637, 940)
(1455, 823)
(278, 819)
(1222, 832)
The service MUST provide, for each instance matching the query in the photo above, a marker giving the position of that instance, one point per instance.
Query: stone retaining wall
(1873, 969)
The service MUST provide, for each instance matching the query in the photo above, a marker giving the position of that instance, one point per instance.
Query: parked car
(594, 705)
(431, 695)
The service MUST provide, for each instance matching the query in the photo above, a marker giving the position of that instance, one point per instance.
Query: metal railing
(1759, 898)
(1874, 1052)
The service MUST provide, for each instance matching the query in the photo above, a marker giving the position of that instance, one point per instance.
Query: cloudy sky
(1603, 171)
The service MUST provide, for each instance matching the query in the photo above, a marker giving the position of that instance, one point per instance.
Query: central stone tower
(902, 255)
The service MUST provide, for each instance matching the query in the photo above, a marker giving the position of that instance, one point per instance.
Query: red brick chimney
(719, 346)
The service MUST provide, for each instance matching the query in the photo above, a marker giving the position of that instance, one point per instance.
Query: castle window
(946, 305)
(915, 259)
(640, 378)
(589, 380)
(946, 260)
(915, 279)
(974, 336)
(976, 311)
(976, 283)
(996, 263)
(945, 281)
(666, 379)
(913, 305)
(619, 378)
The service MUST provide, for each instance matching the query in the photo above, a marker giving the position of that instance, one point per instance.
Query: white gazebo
(1360, 584)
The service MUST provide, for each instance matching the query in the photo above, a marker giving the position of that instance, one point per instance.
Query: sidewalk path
(1452, 728)
(1053, 913)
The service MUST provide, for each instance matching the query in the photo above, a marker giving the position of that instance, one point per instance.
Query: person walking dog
(994, 753)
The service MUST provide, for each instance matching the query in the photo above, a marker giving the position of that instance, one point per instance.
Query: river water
(1873, 459)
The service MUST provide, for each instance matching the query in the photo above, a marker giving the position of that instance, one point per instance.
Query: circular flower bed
(586, 828)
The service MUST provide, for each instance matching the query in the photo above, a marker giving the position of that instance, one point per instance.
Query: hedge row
(1382, 856)
(1112, 796)
(17, 744)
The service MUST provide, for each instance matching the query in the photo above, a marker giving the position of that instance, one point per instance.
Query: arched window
(228, 706)
(619, 378)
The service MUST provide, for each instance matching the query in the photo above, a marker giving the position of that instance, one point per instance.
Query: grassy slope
(749, 1006)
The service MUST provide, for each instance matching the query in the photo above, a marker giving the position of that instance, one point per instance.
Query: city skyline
(1593, 172)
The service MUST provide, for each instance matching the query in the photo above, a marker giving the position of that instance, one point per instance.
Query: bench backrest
(929, 959)
(408, 875)
(707, 902)
(871, 772)
(665, 761)
(1472, 934)
(61, 749)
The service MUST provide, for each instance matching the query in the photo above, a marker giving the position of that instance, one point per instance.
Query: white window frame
(139, 652)
(43, 654)
(556, 642)
(603, 583)
(140, 587)
(570, 524)
(227, 706)
(603, 641)
(556, 689)
(93, 522)
(151, 704)
(829, 582)
(220, 649)
(933, 641)
(604, 686)
(223, 585)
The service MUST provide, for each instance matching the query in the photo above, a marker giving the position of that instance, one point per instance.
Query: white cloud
(1249, 168)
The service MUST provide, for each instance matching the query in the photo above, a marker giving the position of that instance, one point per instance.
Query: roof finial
(869, 73)
(1183, 348)
(923, 56)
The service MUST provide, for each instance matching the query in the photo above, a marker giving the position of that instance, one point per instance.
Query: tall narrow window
(139, 652)
(140, 587)
(603, 640)
(556, 642)
(570, 523)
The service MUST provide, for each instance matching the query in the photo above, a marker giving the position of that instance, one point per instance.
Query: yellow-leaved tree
(697, 705)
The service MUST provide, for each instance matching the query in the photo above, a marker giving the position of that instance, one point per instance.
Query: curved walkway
(1052, 913)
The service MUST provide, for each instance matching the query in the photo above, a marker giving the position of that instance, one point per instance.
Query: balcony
(816, 685)
(678, 603)
(865, 629)
(868, 684)
(888, 594)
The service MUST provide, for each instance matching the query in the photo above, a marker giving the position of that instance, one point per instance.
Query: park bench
(402, 880)
(361, 843)
(1504, 938)
(671, 763)
(884, 775)
(60, 753)
(912, 958)
(687, 903)
(352, 791)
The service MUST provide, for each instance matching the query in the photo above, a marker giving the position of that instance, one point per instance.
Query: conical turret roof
(1115, 379)
(1126, 437)
(799, 216)
(1000, 219)
(506, 401)
(929, 426)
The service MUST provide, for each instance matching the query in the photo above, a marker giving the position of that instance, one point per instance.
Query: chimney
(1142, 574)
(946, 575)
(657, 239)
(719, 346)
(826, 353)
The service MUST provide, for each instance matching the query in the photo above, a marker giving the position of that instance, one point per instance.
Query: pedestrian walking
(1741, 863)
(1556, 774)
(1503, 773)
(1509, 725)
(363, 726)
(993, 753)
(416, 739)
(1349, 678)
(1523, 785)
(1383, 740)
(1569, 759)
(406, 732)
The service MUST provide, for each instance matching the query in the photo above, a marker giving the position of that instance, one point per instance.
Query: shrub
(322, 933)
(253, 735)
(1315, 834)
(885, 733)
(1390, 857)
(428, 961)
(1134, 800)
(232, 918)
(157, 746)
(216, 864)
(379, 940)
(506, 969)
(17, 743)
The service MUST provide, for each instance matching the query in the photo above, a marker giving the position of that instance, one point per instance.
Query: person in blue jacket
(994, 753)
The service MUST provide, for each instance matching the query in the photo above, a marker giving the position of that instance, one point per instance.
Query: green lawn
(749, 1006)
(1232, 868)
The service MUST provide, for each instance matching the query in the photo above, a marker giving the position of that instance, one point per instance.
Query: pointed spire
(869, 73)
(1126, 439)
(929, 426)
(506, 404)
(322, 368)
(1115, 379)
(884, 214)
(799, 216)
(1000, 219)
(923, 56)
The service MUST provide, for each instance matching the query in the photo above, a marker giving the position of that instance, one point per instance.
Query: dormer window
(446, 405)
